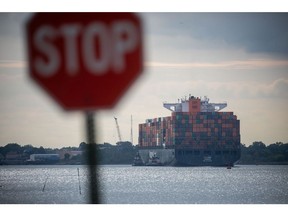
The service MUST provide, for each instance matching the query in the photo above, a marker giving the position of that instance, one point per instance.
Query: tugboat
(137, 160)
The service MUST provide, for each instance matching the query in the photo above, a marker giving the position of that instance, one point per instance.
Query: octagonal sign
(85, 60)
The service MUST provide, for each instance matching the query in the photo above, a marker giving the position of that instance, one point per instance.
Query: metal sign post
(92, 158)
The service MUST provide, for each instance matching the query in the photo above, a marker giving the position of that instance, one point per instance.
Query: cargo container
(196, 134)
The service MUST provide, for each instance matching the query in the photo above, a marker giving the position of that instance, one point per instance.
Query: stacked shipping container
(202, 130)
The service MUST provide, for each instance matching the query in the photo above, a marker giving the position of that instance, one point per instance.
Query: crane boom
(118, 129)
(131, 130)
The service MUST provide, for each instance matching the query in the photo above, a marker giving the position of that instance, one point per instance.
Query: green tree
(41, 150)
(66, 156)
(82, 146)
(11, 147)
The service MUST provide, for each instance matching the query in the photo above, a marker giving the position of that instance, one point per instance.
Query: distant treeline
(124, 152)
(259, 153)
(121, 153)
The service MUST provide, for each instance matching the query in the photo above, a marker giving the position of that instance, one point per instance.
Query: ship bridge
(194, 105)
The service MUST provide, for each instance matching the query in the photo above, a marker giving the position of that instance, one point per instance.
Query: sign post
(92, 158)
(85, 61)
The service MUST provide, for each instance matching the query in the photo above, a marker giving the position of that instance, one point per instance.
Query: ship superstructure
(193, 105)
(196, 133)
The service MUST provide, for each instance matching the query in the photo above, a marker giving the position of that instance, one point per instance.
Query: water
(146, 185)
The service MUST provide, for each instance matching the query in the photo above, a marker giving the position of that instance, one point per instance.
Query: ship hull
(191, 157)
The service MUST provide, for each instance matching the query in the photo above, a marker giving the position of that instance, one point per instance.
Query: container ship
(196, 134)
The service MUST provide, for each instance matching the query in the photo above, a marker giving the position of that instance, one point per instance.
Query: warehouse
(44, 157)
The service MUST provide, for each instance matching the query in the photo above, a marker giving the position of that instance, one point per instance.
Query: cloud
(11, 24)
(279, 88)
(221, 90)
(254, 32)
(12, 36)
(12, 64)
(251, 89)
(245, 64)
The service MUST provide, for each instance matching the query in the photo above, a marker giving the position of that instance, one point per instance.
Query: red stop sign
(85, 60)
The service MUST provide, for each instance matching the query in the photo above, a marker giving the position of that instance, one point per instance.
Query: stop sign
(85, 60)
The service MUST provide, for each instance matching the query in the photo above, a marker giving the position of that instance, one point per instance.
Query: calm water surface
(146, 185)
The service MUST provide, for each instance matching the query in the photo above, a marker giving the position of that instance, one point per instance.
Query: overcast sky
(240, 58)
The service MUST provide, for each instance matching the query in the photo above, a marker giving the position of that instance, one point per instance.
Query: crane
(118, 129)
(131, 130)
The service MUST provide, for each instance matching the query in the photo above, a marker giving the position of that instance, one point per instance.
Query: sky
(239, 58)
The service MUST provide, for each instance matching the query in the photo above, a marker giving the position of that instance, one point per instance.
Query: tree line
(124, 152)
(259, 153)
(121, 153)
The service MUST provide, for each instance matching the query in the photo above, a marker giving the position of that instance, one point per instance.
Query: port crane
(118, 129)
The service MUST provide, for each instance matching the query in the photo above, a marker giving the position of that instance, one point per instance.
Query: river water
(124, 184)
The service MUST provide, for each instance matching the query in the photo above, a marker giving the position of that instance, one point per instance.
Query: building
(44, 157)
